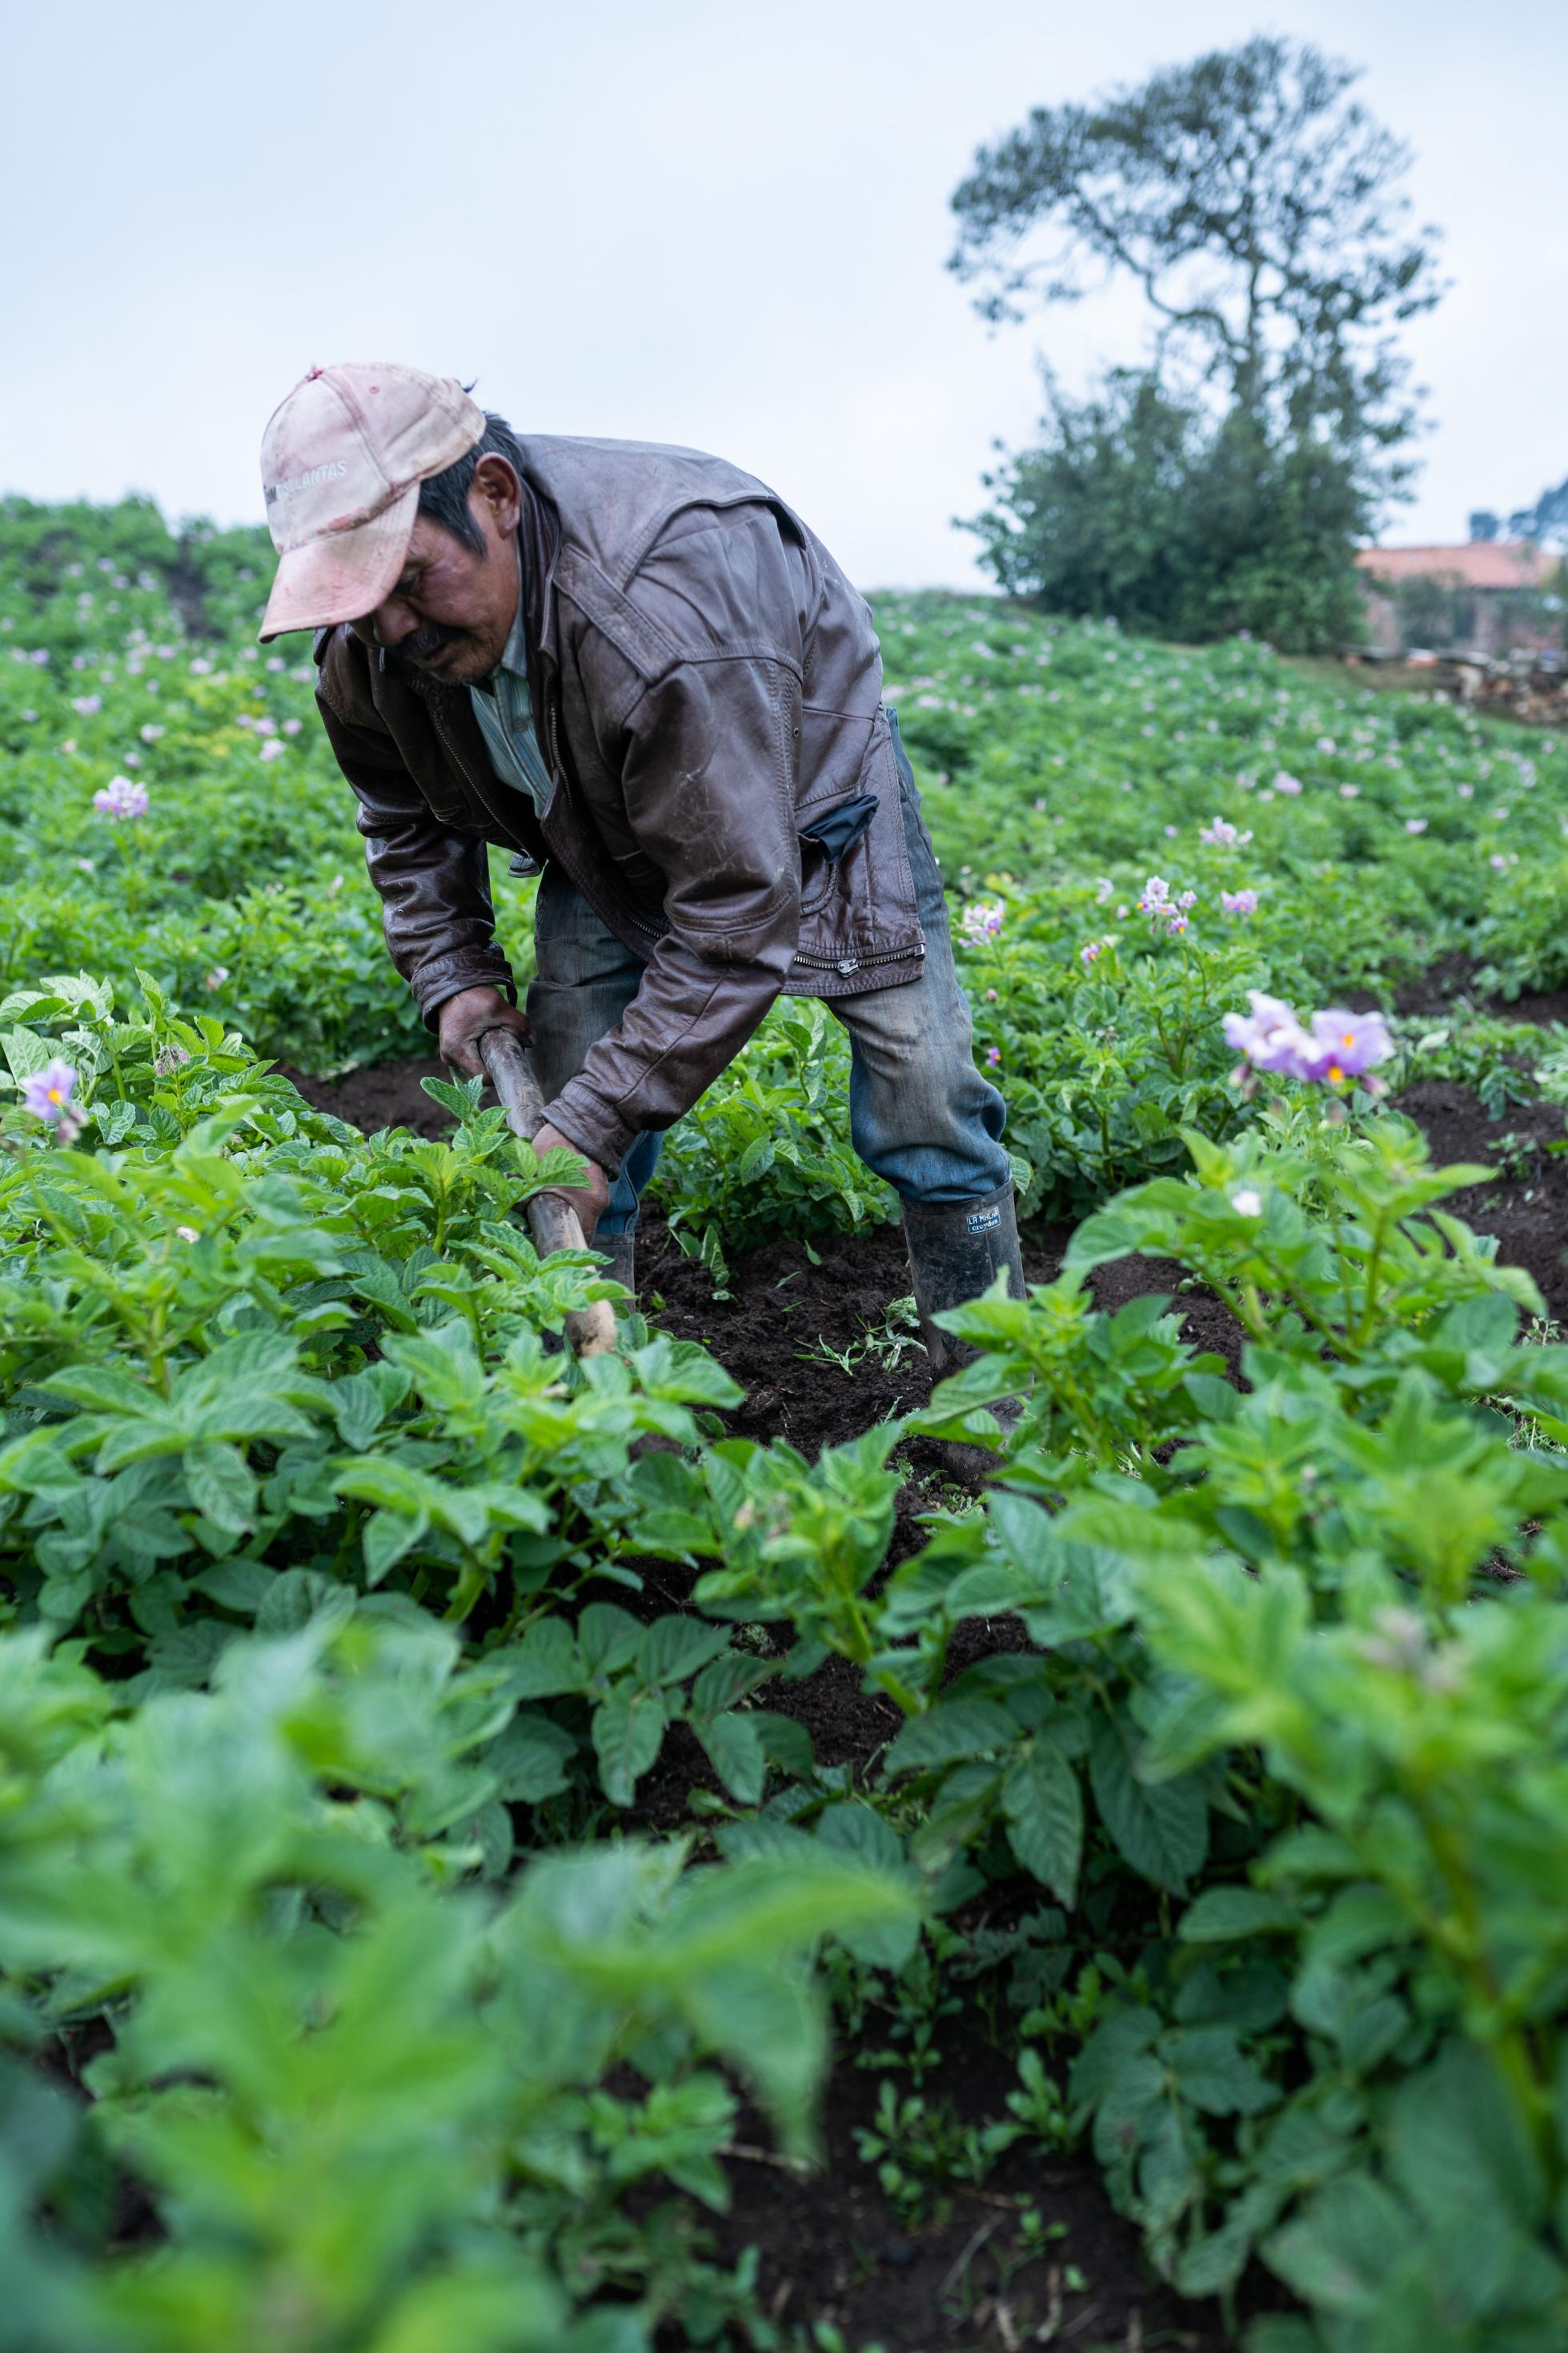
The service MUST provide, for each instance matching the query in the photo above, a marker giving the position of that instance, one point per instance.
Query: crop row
(354, 2005)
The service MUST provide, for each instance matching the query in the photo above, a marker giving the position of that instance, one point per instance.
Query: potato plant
(353, 1635)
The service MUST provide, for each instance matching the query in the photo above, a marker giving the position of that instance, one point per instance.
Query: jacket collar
(538, 545)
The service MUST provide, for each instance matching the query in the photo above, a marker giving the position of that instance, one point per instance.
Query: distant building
(1487, 597)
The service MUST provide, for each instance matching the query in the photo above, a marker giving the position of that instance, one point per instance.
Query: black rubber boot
(956, 1250)
(620, 1252)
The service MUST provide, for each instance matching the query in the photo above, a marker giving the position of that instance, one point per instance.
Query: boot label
(983, 1221)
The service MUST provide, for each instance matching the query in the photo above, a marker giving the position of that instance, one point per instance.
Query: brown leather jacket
(706, 686)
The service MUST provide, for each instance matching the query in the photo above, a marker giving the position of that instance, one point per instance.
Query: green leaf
(461, 1099)
(185, 1656)
(545, 1662)
(608, 1637)
(730, 1677)
(682, 1370)
(734, 1749)
(298, 1596)
(358, 1409)
(62, 1600)
(221, 1486)
(105, 1388)
(859, 1831)
(1133, 2104)
(787, 1744)
(1070, 1592)
(1460, 2148)
(1338, 2252)
(115, 1121)
(1213, 2073)
(674, 1648)
(1212, 2266)
(950, 1733)
(628, 1733)
(393, 1485)
(1221, 1913)
(241, 1586)
(1162, 1829)
(530, 1758)
(1044, 1806)
(1361, 1920)
(27, 1052)
(387, 1536)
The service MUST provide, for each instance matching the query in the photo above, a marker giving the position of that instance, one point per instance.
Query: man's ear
(499, 492)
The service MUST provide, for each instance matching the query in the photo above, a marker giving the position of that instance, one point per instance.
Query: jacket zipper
(847, 965)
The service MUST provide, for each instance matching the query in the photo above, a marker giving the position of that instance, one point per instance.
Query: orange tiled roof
(1478, 564)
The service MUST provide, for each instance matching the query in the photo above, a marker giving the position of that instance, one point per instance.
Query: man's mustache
(428, 639)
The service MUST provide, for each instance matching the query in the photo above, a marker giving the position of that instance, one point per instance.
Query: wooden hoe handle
(554, 1222)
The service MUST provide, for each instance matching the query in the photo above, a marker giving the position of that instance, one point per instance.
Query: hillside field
(531, 1854)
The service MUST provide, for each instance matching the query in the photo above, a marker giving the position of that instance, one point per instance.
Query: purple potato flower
(1346, 1044)
(1270, 1037)
(1239, 903)
(981, 920)
(122, 797)
(1338, 1044)
(48, 1096)
(1157, 904)
(1222, 834)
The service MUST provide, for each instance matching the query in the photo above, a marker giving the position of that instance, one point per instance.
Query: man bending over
(635, 669)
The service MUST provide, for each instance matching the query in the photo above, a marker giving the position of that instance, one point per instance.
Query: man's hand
(465, 1018)
(590, 1200)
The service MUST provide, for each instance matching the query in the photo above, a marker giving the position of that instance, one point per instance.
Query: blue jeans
(920, 1114)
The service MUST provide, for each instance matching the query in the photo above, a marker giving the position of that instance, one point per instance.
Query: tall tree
(1257, 206)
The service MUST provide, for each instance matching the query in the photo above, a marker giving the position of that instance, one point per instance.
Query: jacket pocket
(834, 748)
(828, 839)
(862, 909)
(838, 830)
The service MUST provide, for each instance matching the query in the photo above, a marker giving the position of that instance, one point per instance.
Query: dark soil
(788, 1317)
(1527, 1208)
(388, 1094)
(785, 1314)
(832, 2249)
(1451, 981)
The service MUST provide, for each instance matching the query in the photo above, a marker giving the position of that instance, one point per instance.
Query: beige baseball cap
(342, 461)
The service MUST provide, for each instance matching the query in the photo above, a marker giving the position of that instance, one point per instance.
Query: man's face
(451, 611)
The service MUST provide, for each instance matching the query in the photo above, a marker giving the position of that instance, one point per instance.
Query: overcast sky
(717, 224)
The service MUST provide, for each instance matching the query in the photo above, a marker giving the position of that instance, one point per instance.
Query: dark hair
(445, 496)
